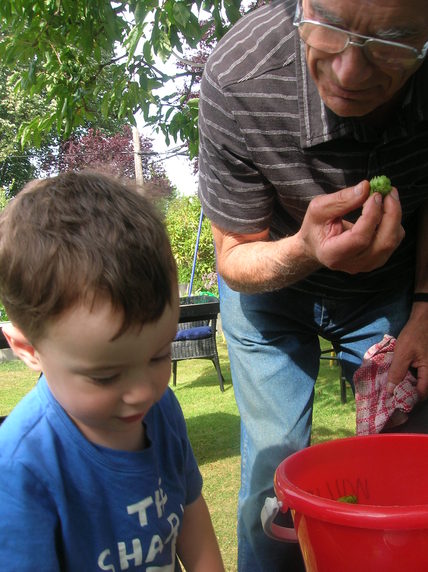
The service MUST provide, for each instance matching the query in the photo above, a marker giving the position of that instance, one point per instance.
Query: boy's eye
(164, 354)
(104, 380)
(162, 357)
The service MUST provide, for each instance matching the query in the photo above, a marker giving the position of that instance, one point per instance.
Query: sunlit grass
(16, 379)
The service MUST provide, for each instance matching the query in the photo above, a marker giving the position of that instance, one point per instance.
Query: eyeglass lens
(333, 41)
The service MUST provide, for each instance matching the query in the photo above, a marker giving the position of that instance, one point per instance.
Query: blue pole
(189, 293)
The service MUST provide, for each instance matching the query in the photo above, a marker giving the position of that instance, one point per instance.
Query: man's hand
(411, 350)
(352, 247)
(253, 263)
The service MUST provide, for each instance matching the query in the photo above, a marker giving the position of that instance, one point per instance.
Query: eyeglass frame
(299, 19)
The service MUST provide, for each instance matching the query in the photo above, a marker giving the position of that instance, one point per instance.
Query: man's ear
(21, 347)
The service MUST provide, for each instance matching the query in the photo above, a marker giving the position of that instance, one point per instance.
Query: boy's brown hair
(71, 238)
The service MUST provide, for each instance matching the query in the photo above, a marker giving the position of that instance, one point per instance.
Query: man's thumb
(346, 200)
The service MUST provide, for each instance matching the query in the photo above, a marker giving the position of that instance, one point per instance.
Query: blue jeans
(274, 355)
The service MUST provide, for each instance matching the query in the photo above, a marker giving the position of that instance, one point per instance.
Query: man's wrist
(420, 297)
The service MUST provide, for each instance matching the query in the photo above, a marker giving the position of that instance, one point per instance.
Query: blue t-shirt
(69, 505)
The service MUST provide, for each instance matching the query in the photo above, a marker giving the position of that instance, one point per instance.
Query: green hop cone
(380, 185)
(351, 499)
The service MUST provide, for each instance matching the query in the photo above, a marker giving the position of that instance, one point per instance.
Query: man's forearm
(264, 265)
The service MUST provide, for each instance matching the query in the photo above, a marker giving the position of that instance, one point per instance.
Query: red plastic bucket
(387, 531)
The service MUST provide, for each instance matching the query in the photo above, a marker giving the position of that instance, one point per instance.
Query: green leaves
(16, 109)
(183, 125)
(84, 58)
(180, 14)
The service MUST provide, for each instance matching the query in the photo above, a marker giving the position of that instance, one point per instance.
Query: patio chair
(196, 335)
(331, 355)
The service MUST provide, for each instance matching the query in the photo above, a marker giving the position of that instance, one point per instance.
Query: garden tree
(3, 203)
(70, 47)
(3, 199)
(112, 154)
(17, 166)
(182, 222)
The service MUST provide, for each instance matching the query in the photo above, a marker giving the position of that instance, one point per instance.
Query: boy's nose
(138, 393)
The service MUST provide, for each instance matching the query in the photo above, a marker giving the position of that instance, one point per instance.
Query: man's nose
(351, 67)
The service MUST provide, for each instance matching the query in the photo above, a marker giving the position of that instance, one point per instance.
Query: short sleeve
(233, 192)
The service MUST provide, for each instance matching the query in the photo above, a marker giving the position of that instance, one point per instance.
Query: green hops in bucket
(351, 499)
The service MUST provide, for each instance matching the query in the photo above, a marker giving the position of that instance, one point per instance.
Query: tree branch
(188, 62)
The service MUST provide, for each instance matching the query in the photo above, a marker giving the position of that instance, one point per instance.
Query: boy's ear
(21, 347)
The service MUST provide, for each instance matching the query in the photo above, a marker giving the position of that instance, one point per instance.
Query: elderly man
(300, 106)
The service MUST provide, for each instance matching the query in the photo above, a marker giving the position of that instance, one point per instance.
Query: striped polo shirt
(268, 145)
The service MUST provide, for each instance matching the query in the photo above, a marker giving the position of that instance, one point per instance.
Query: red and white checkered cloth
(376, 408)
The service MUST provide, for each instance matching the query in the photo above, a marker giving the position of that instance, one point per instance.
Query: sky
(180, 174)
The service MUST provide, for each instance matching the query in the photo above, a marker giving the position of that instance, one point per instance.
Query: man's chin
(344, 107)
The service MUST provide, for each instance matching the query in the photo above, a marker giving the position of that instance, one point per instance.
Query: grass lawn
(213, 425)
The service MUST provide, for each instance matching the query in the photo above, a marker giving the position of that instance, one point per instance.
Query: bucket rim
(356, 515)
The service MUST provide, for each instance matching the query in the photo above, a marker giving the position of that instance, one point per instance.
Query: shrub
(182, 222)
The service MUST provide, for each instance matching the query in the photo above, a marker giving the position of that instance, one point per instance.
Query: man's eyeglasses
(333, 40)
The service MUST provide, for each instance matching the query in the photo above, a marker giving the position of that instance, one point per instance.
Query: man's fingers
(422, 386)
(359, 247)
(397, 371)
(400, 365)
(390, 232)
(355, 239)
(376, 233)
(366, 226)
(337, 205)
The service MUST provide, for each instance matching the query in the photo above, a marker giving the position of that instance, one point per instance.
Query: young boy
(96, 470)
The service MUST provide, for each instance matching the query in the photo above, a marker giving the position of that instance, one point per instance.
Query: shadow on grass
(325, 434)
(211, 415)
(214, 436)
